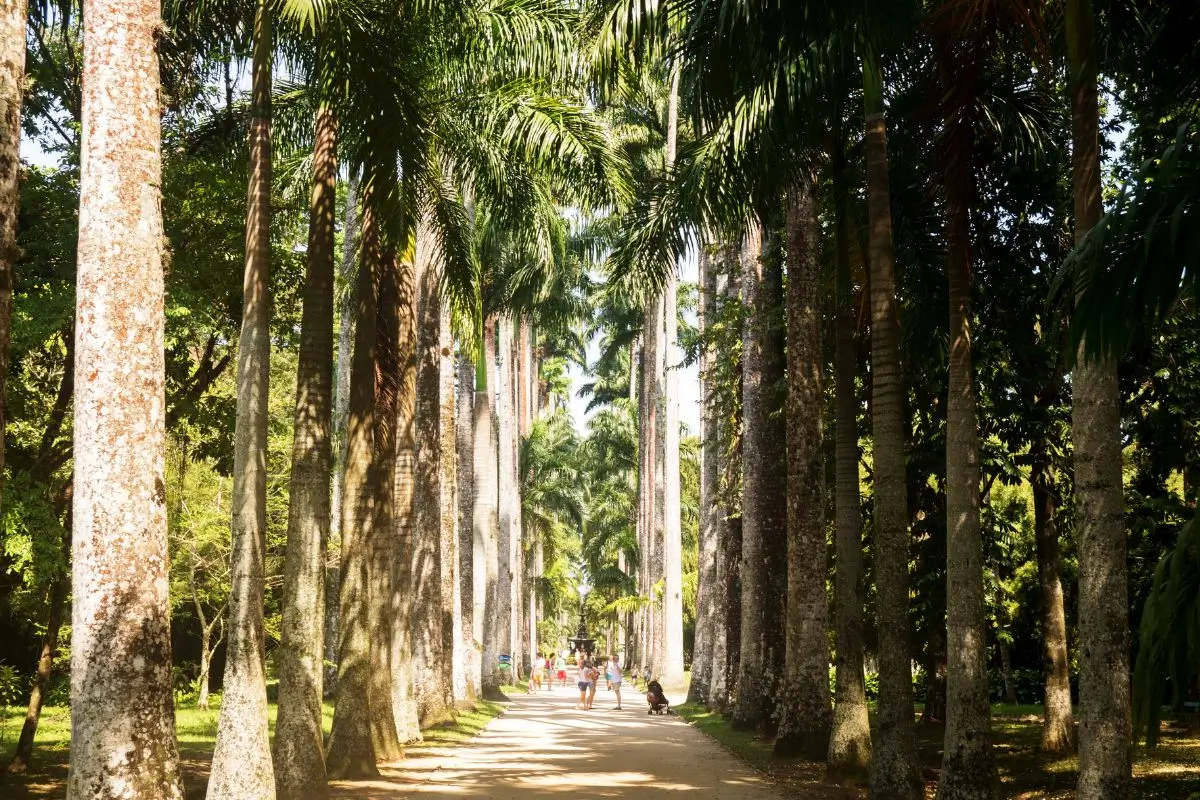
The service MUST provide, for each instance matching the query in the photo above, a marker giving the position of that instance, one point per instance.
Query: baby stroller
(659, 704)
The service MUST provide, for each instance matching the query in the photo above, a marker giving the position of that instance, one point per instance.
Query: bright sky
(689, 376)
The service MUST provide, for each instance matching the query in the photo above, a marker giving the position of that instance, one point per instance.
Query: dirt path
(543, 747)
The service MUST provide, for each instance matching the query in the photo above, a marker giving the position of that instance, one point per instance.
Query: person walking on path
(560, 666)
(583, 679)
(593, 679)
(615, 677)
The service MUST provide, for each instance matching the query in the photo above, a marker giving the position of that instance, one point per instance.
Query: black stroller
(659, 704)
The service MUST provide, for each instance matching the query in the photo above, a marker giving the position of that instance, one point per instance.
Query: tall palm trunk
(711, 512)
(516, 549)
(384, 539)
(12, 82)
(485, 520)
(394, 559)
(894, 769)
(299, 745)
(451, 588)
(1058, 729)
(727, 618)
(472, 633)
(241, 766)
(764, 492)
(122, 715)
(350, 753)
(850, 738)
(506, 609)
(1104, 713)
(426, 587)
(672, 532)
(807, 716)
(345, 348)
(968, 768)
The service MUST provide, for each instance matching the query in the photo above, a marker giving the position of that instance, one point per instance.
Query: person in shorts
(560, 669)
(593, 679)
(615, 677)
(583, 679)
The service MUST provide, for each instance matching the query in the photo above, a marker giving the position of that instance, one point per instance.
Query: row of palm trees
(465, 127)
(766, 88)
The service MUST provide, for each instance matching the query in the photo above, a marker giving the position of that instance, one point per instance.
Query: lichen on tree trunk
(299, 745)
(805, 712)
(350, 753)
(242, 768)
(122, 713)
(1105, 725)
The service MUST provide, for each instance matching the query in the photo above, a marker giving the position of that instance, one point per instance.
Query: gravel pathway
(543, 747)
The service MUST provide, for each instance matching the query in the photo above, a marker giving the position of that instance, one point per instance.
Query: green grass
(464, 726)
(197, 734)
(743, 743)
(1170, 772)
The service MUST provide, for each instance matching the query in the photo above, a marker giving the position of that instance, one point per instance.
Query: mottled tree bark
(241, 766)
(895, 774)
(431, 675)
(507, 610)
(122, 715)
(13, 17)
(451, 590)
(850, 738)
(391, 566)
(711, 513)
(345, 348)
(350, 753)
(804, 700)
(764, 491)
(472, 632)
(1058, 728)
(968, 768)
(672, 533)
(1105, 725)
(299, 744)
(485, 521)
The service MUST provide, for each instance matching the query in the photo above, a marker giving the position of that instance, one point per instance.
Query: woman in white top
(583, 681)
(615, 677)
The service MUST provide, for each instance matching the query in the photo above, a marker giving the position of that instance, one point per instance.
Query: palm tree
(850, 737)
(345, 347)
(390, 545)
(485, 520)
(1104, 709)
(505, 608)
(13, 18)
(299, 748)
(968, 769)
(764, 521)
(428, 555)
(120, 626)
(241, 767)
(707, 606)
(470, 552)
(351, 753)
(672, 557)
(1058, 729)
(806, 720)
(894, 769)
(451, 588)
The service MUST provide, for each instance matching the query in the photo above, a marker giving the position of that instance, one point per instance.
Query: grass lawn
(197, 732)
(1170, 772)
